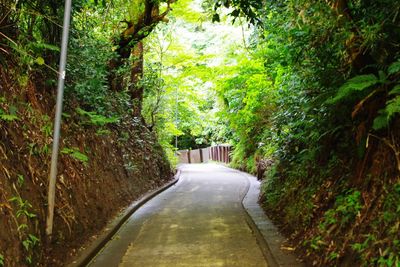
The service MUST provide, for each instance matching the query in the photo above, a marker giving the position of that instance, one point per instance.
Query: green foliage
(179, 81)
(360, 247)
(76, 154)
(20, 180)
(343, 213)
(23, 207)
(47, 127)
(357, 83)
(1, 260)
(384, 225)
(394, 68)
(30, 241)
(91, 117)
(103, 132)
(87, 71)
(395, 90)
(327, 76)
(247, 8)
(29, 245)
(385, 115)
(30, 36)
(345, 210)
(249, 102)
(364, 82)
(9, 116)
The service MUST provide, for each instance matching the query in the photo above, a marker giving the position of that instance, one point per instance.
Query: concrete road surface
(198, 222)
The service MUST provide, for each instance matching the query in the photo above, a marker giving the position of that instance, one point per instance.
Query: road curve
(198, 222)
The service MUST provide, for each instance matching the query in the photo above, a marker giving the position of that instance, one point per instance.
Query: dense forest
(306, 92)
(325, 112)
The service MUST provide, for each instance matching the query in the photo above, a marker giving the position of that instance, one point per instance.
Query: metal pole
(176, 117)
(57, 120)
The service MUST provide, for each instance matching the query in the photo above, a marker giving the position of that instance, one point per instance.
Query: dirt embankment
(344, 213)
(102, 169)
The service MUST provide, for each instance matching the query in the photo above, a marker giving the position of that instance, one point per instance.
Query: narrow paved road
(198, 222)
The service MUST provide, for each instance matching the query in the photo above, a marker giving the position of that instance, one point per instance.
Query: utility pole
(57, 121)
(176, 117)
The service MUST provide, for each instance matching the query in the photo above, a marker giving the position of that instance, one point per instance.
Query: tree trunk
(130, 46)
(136, 88)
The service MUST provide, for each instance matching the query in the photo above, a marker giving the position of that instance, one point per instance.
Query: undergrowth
(333, 222)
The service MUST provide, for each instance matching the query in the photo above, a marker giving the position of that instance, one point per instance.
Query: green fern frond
(76, 154)
(393, 107)
(97, 119)
(395, 90)
(394, 68)
(8, 117)
(385, 115)
(44, 46)
(380, 122)
(357, 83)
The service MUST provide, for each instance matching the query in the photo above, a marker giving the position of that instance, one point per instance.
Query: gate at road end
(221, 153)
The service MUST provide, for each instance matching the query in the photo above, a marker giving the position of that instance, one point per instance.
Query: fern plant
(11, 115)
(24, 207)
(7, 117)
(358, 83)
(392, 107)
(370, 81)
(29, 244)
(96, 119)
(76, 154)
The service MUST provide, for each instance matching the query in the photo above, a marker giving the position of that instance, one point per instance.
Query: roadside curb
(87, 254)
(266, 232)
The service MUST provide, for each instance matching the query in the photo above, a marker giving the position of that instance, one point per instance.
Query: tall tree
(143, 18)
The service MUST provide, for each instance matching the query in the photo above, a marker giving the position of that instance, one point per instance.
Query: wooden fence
(219, 153)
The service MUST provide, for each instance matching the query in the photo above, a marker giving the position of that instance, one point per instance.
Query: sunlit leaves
(39, 60)
(249, 102)
(191, 65)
